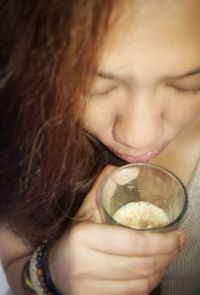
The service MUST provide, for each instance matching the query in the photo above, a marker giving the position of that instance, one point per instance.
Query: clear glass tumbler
(142, 193)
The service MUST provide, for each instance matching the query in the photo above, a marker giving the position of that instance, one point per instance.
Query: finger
(136, 287)
(123, 241)
(117, 287)
(89, 210)
(115, 267)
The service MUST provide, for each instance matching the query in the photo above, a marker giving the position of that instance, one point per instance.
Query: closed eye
(186, 91)
(104, 92)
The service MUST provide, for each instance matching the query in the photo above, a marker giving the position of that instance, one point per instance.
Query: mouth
(139, 158)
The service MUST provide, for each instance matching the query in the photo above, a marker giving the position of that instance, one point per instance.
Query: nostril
(139, 134)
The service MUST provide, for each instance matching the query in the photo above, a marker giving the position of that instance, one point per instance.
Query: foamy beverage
(141, 215)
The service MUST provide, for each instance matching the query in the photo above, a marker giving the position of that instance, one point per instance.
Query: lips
(140, 158)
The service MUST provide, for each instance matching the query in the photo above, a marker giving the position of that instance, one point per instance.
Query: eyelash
(186, 91)
(107, 92)
(176, 89)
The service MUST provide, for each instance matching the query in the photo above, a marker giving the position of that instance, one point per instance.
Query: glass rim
(150, 165)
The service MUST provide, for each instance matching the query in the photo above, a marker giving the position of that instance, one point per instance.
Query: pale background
(4, 289)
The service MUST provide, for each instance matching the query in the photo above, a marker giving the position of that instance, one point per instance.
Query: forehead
(153, 29)
(166, 18)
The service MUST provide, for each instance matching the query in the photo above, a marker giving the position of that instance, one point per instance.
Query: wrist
(47, 274)
(36, 277)
(51, 264)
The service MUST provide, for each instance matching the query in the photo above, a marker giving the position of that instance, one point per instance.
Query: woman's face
(147, 91)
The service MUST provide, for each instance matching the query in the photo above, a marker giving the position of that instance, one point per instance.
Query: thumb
(89, 209)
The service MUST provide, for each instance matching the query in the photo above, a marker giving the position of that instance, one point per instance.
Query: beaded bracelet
(36, 277)
(26, 281)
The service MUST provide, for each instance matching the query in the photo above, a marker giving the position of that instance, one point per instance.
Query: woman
(85, 84)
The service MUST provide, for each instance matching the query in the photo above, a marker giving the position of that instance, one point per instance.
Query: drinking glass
(146, 187)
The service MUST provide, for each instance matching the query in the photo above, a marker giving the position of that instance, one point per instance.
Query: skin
(150, 104)
(143, 100)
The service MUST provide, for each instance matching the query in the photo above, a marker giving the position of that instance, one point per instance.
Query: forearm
(14, 275)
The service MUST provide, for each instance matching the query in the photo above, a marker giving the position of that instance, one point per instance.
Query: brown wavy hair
(49, 54)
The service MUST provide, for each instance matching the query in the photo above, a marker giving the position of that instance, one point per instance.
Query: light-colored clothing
(183, 276)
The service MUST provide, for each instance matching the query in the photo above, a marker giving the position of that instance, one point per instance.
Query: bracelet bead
(35, 277)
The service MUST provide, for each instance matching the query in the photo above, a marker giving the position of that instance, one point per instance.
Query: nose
(139, 124)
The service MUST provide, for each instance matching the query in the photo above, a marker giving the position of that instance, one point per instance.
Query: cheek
(190, 111)
(183, 110)
(99, 116)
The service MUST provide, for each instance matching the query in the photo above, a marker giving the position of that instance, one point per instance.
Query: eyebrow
(107, 75)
